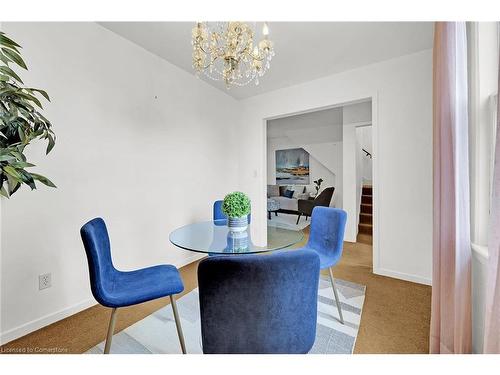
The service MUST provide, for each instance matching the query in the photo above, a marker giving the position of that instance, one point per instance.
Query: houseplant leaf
(11, 171)
(8, 71)
(44, 180)
(20, 122)
(6, 41)
(15, 57)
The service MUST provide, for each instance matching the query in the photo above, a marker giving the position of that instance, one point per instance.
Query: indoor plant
(236, 207)
(317, 184)
(20, 122)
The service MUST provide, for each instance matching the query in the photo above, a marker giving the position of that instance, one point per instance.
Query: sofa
(287, 205)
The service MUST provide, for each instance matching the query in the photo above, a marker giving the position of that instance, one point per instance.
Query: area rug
(157, 333)
(288, 221)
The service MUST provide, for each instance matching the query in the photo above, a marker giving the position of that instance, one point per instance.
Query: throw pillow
(288, 193)
(298, 190)
(273, 191)
(282, 190)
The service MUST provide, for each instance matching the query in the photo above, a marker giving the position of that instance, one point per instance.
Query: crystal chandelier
(226, 51)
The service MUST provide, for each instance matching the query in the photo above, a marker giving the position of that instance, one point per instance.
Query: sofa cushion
(290, 204)
(282, 190)
(288, 193)
(273, 191)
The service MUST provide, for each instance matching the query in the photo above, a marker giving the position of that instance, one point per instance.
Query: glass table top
(214, 237)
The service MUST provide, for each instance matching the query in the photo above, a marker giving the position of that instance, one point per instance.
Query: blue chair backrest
(259, 303)
(327, 231)
(219, 215)
(97, 246)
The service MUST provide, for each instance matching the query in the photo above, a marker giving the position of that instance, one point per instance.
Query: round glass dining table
(214, 237)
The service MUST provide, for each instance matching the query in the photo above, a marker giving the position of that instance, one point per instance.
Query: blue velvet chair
(113, 288)
(259, 303)
(326, 238)
(219, 215)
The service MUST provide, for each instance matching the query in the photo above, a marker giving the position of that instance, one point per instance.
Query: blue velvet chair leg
(112, 321)
(111, 330)
(178, 324)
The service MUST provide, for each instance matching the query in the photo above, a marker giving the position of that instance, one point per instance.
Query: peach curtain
(492, 307)
(451, 274)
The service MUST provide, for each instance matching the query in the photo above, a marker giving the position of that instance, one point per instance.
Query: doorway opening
(324, 156)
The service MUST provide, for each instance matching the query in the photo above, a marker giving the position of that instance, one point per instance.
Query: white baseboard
(402, 276)
(46, 320)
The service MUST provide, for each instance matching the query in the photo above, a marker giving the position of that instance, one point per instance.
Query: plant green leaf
(28, 179)
(19, 156)
(7, 41)
(51, 144)
(15, 57)
(12, 172)
(4, 192)
(11, 73)
(44, 94)
(7, 157)
(20, 131)
(21, 164)
(34, 99)
(4, 58)
(14, 187)
(43, 180)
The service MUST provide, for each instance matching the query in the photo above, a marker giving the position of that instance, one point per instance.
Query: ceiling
(327, 118)
(304, 50)
(320, 126)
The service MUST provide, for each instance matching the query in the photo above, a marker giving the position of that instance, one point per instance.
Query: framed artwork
(292, 167)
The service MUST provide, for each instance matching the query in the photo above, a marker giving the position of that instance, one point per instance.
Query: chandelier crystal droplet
(225, 51)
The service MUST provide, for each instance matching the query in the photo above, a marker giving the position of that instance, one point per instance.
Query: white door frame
(375, 161)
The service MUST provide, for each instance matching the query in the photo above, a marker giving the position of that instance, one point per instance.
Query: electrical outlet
(44, 281)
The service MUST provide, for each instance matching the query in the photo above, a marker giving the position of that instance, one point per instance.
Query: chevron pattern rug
(157, 333)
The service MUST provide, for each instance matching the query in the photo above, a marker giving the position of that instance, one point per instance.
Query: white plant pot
(237, 224)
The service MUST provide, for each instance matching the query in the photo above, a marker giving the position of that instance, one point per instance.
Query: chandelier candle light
(226, 51)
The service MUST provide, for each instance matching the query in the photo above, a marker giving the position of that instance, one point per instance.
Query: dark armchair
(306, 205)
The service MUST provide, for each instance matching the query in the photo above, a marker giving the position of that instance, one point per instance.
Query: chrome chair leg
(111, 329)
(178, 324)
(336, 295)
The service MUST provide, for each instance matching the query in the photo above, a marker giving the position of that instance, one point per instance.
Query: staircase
(365, 227)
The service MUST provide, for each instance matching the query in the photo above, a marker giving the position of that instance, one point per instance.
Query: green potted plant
(20, 122)
(236, 207)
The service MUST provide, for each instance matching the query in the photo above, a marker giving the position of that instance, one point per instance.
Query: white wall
(350, 181)
(357, 113)
(402, 133)
(140, 142)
